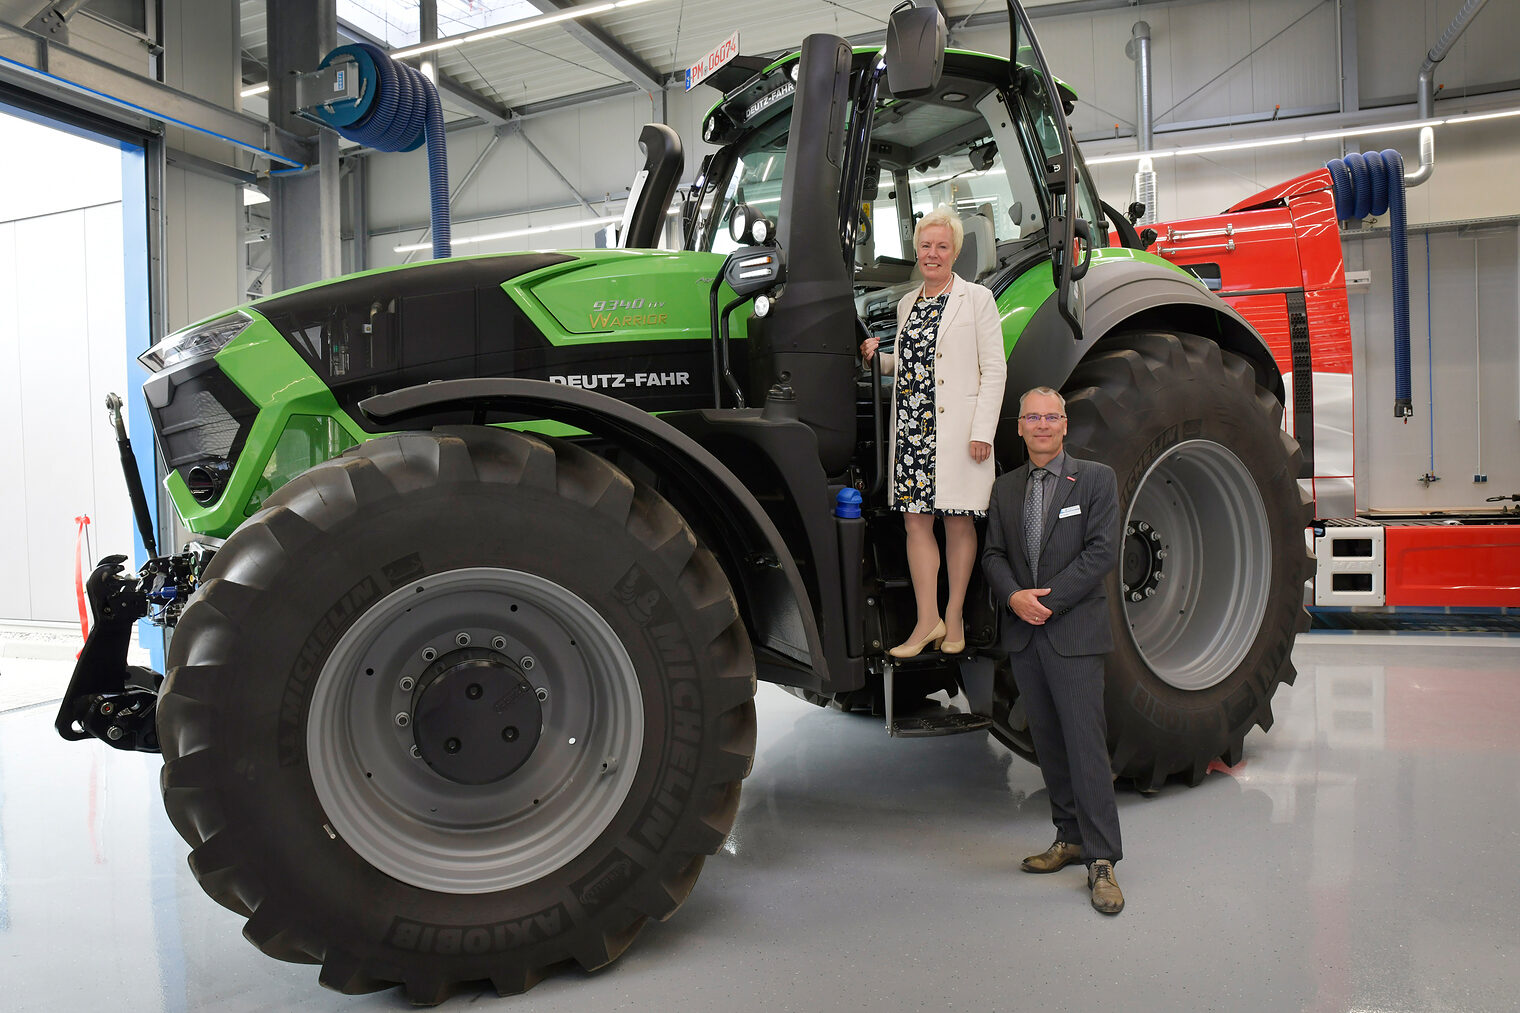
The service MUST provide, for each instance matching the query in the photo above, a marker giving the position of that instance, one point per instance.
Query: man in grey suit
(1052, 538)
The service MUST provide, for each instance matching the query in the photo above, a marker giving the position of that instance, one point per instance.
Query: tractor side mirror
(915, 50)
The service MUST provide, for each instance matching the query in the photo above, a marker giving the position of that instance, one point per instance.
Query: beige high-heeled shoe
(954, 646)
(914, 649)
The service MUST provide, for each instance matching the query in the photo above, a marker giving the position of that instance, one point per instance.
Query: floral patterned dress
(913, 464)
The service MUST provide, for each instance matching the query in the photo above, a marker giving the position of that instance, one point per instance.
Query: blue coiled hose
(1373, 184)
(398, 109)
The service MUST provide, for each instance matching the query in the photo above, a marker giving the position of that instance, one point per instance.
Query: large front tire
(1208, 597)
(456, 707)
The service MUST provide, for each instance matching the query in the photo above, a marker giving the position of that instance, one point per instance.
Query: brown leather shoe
(1057, 856)
(1106, 897)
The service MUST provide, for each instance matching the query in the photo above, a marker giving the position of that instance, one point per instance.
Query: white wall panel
(1464, 366)
(203, 246)
(53, 327)
(15, 549)
(72, 177)
(1396, 34)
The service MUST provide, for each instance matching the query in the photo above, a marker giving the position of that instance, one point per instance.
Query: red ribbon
(83, 520)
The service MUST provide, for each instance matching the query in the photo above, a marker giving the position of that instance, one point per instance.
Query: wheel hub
(1144, 561)
(476, 717)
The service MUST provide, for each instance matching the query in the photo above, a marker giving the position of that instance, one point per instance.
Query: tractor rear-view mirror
(915, 50)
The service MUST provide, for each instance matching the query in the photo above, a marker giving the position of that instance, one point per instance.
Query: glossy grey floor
(1362, 857)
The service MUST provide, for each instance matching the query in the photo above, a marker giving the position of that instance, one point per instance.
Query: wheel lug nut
(1143, 526)
(1160, 553)
(1159, 575)
(542, 694)
(463, 640)
(1135, 596)
(527, 663)
(1149, 591)
(498, 643)
(406, 683)
(428, 654)
(403, 719)
(1155, 537)
(416, 753)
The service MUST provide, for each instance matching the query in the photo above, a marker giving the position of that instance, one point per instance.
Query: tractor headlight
(197, 342)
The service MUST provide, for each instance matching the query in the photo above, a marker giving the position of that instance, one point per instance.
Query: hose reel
(396, 109)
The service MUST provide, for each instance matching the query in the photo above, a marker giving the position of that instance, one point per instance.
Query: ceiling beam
(604, 45)
(82, 81)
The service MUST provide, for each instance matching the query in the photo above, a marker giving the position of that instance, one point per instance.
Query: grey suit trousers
(1063, 699)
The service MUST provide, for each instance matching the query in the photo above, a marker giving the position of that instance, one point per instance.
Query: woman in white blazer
(950, 370)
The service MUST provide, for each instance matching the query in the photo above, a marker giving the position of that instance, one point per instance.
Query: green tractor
(461, 680)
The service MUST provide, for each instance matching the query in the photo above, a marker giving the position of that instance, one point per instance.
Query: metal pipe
(1478, 474)
(1425, 90)
(1139, 50)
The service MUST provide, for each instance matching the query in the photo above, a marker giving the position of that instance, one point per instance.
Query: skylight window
(396, 21)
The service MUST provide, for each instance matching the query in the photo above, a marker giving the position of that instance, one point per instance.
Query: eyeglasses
(1034, 420)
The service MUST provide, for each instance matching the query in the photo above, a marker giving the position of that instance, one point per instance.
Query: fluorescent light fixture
(513, 233)
(1475, 117)
(513, 27)
(257, 89)
(1324, 135)
(1266, 142)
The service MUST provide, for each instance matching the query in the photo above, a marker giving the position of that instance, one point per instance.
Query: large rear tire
(1209, 594)
(458, 706)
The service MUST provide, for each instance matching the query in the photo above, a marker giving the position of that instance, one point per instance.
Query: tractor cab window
(758, 171)
(960, 147)
(1038, 127)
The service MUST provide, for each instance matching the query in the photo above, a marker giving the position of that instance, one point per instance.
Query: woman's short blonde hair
(942, 215)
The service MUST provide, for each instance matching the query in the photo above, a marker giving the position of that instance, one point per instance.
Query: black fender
(1126, 294)
(772, 597)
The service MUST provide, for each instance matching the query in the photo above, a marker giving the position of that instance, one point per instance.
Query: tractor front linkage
(108, 699)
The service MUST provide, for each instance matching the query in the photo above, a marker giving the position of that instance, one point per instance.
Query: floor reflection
(1353, 860)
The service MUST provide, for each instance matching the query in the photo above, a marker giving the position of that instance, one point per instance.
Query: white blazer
(970, 370)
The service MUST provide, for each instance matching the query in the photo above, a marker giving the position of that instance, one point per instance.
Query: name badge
(1070, 511)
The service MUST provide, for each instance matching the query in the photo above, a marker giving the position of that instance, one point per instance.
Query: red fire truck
(1277, 258)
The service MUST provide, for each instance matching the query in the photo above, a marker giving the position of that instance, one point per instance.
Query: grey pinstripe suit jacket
(1077, 552)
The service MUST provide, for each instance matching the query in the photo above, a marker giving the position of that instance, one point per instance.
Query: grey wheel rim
(1196, 564)
(424, 829)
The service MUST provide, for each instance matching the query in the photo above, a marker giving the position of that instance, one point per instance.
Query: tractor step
(926, 723)
(938, 724)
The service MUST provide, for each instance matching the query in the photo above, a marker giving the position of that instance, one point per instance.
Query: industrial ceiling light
(1325, 135)
(513, 27)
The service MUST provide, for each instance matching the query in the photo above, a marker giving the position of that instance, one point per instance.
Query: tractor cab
(979, 139)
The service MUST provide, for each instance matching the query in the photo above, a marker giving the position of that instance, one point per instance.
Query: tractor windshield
(974, 144)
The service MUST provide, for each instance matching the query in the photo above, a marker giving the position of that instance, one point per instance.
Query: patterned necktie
(1034, 520)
